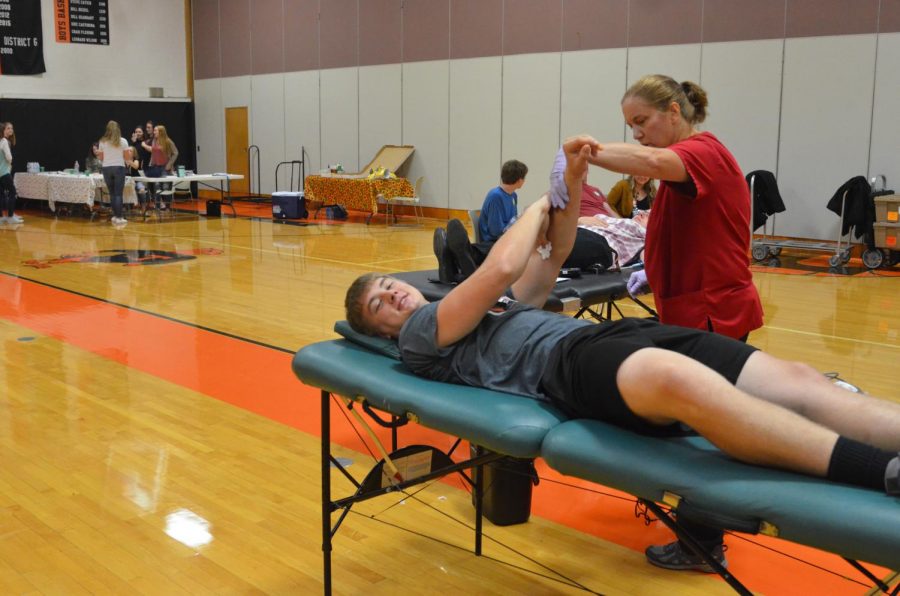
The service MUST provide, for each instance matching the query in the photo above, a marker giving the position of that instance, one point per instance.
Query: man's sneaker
(675, 556)
(458, 241)
(3, 220)
(15, 219)
(892, 477)
(834, 378)
(446, 268)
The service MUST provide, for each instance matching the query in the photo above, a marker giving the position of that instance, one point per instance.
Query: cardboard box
(887, 208)
(887, 235)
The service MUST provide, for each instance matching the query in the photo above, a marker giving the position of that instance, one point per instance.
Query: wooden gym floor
(155, 441)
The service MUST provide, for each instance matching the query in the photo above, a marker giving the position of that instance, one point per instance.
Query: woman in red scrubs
(696, 250)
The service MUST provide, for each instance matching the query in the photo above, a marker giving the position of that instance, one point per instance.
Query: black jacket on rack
(859, 212)
(766, 198)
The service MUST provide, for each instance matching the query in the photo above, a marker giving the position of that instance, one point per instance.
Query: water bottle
(76, 166)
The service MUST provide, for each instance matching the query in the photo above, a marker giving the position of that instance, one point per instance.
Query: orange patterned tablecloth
(359, 194)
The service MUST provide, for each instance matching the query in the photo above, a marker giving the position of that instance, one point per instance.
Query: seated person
(499, 209)
(458, 258)
(93, 164)
(593, 201)
(490, 332)
(633, 192)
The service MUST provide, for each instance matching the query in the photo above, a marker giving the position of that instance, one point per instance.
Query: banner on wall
(81, 21)
(21, 41)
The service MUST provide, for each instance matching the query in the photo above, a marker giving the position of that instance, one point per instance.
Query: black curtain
(56, 132)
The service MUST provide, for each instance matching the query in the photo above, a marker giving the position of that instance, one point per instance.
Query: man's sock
(856, 463)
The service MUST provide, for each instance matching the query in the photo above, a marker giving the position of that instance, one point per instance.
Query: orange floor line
(259, 379)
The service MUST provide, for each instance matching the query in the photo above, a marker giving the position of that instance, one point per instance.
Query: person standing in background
(114, 151)
(163, 154)
(140, 154)
(7, 187)
(139, 157)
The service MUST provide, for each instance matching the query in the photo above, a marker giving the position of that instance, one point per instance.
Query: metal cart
(766, 245)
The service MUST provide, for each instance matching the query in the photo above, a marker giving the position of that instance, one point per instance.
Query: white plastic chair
(413, 200)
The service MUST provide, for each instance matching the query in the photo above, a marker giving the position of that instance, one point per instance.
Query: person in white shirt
(114, 151)
(7, 187)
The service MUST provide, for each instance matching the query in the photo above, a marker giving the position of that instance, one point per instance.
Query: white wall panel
(426, 88)
(743, 83)
(267, 129)
(236, 93)
(379, 109)
(210, 123)
(593, 82)
(301, 120)
(340, 117)
(531, 118)
(886, 125)
(825, 122)
(681, 62)
(475, 100)
(134, 60)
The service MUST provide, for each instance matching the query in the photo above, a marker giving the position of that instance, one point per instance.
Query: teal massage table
(687, 474)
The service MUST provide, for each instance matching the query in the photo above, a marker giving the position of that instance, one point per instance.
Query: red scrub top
(697, 239)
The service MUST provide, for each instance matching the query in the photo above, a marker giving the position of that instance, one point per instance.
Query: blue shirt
(497, 213)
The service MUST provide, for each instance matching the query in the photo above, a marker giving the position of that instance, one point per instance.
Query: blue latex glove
(637, 283)
(559, 192)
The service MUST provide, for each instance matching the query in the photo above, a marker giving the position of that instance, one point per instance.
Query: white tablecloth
(66, 188)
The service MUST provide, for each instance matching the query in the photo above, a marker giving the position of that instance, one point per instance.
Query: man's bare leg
(804, 390)
(663, 386)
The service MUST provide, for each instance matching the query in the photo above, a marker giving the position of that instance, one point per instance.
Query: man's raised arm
(539, 276)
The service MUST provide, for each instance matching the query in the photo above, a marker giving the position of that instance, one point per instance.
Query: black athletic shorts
(580, 377)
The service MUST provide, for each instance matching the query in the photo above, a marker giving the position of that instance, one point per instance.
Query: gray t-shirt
(508, 350)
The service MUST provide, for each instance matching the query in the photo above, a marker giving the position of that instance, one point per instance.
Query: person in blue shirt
(500, 206)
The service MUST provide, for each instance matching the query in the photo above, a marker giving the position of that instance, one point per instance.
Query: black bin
(289, 205)
(507, 486)
(213, 208)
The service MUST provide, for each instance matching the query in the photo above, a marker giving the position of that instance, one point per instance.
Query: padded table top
(501, 422)
(590, 288)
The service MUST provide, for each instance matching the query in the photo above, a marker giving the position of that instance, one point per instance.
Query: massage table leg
(365, 492)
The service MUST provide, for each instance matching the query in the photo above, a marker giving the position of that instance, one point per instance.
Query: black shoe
(458, 241)
(675, 556)
(892, 477)
(446, 267)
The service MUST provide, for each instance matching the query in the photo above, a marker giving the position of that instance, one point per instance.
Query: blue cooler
(289, 205)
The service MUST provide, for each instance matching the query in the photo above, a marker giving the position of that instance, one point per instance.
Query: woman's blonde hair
(113, 133)
(162, 138)
(649, 187)
(660, 91)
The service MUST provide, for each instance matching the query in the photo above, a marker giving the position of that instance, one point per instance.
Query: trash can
(507, 489)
